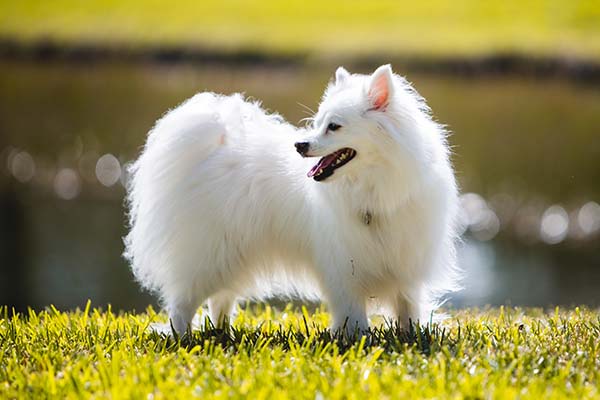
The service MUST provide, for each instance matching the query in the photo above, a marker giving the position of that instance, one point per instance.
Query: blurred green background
(329, 28)
(518, 84)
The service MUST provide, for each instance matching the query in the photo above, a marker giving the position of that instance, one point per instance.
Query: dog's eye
(333, 127)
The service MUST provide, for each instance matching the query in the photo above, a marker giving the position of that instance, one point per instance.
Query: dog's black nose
(302, 147)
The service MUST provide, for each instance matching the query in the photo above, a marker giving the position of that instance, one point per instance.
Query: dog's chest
(385, 246)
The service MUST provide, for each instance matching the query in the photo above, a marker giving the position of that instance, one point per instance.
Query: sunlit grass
(497, 353)
(335, 27)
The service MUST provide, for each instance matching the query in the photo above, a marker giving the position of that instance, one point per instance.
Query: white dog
(222, 206)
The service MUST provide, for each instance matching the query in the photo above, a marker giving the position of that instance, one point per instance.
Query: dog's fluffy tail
(179, 142)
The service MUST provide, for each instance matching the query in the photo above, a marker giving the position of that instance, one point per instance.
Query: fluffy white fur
(221, 206)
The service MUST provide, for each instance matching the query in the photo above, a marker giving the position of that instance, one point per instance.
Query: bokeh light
(554, 225)
(108, 170)
(22, 166)
(481, 220)
(67, 184)
(588, 218)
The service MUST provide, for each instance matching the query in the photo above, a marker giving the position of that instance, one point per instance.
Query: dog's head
(361, 120)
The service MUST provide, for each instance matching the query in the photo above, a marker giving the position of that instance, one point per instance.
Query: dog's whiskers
(307, 108)
(307, 121)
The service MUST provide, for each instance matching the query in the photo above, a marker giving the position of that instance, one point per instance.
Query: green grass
(268, 354)
(328, 28)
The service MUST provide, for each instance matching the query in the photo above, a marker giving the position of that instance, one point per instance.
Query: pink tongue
(322, 164)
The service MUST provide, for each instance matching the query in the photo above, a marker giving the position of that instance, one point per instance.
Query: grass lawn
(327, 28)
(268, 354)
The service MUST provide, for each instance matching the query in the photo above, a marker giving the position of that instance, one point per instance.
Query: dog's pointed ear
(341, 75)
(381, 87)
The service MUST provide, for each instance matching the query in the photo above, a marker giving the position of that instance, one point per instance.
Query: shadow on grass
(390, 337)
(90, 328)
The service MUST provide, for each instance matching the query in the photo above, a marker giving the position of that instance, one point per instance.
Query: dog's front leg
(347, 307)
(349, 315)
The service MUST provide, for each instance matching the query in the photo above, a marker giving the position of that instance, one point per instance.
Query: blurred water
(526, 152)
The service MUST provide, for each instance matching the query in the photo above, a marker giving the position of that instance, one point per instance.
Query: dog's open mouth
(326, 165)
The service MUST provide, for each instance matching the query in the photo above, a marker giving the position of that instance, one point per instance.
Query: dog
(358, 208)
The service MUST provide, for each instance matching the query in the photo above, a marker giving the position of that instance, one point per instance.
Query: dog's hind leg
(181, 315)
(181, 310)
(221, 307)
(180, 319)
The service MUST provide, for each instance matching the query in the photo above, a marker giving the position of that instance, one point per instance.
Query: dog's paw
(165, 328)
(161, 328)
